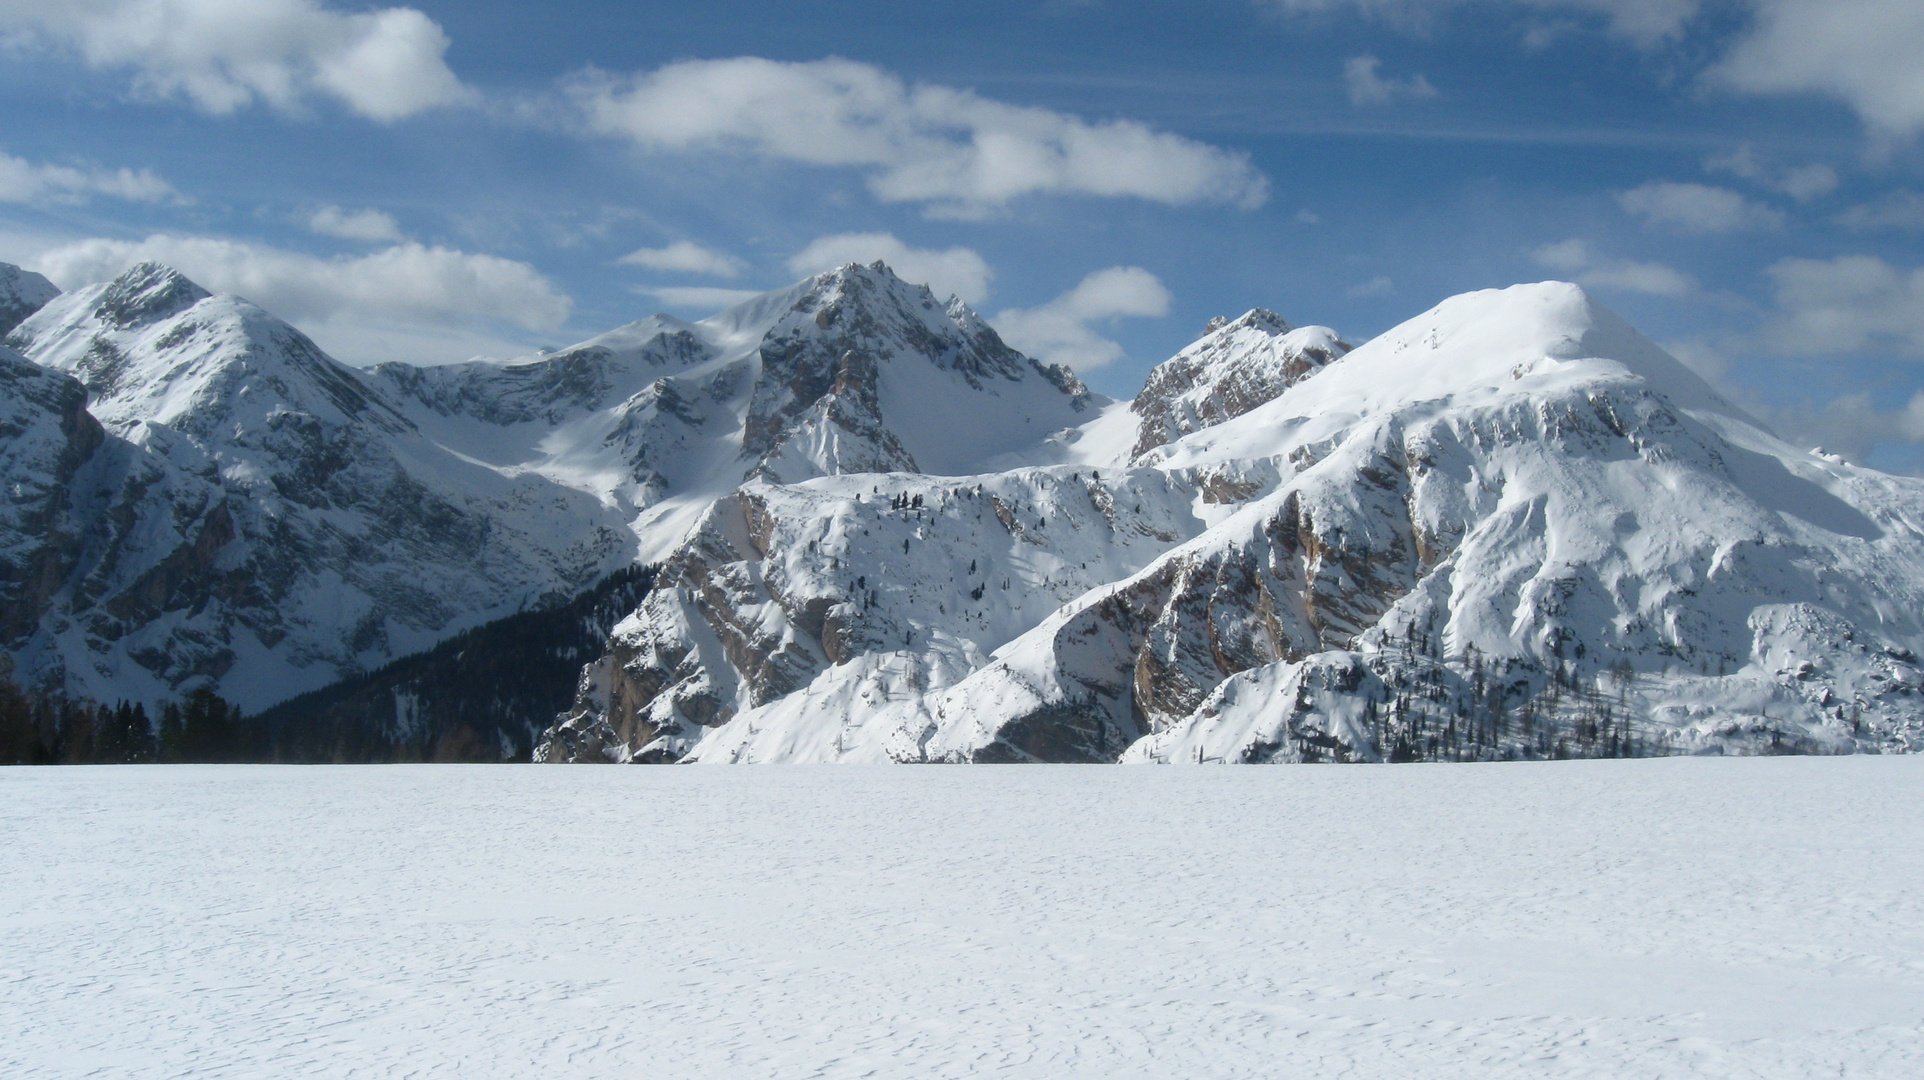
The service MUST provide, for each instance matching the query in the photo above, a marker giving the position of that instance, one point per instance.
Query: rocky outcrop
(22, 292)
(1509, 528)
(1236, 366)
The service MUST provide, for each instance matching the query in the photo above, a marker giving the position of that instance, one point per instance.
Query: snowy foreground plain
(1654, 918)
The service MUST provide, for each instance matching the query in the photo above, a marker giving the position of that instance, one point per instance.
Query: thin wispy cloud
(1697, 208)
(23, 181)
(1367, 88)
(1574, 259)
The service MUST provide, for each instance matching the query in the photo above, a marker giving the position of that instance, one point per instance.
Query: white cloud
(1366, 87)
(1896, 210)
(23, 181)
(1574, 257)
(1060, 332)
(1697, 208)
(1867, 53)
(224, 55)
(371, 226)
(407, 292)
(1851, 425)
(1831, 306)
(956, 271)
(699, 297)
(686, 257)
(1376, 286)
(957, 152)
(1800, 182)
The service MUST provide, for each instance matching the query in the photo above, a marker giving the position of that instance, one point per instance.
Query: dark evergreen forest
(484, 695)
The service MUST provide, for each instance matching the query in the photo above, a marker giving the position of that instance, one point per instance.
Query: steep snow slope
(1498, 530)
(853, 370)
(268, 520)
(262, 519)
(22, 292)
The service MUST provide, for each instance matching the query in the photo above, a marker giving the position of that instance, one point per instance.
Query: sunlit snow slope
(234, 509)
(1511, 527)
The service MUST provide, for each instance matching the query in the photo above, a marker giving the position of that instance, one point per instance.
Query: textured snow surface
(1672, 918)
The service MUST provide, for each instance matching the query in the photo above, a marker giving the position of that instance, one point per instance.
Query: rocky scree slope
(1512, 527)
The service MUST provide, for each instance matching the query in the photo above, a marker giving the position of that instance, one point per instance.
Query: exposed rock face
(262, 519)
(266, 520)
(22, 292)
(1511, 527)
(1237, 366)
(46, 435)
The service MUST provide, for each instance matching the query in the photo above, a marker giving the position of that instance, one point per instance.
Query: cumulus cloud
(369, 226)
(1864, 53)
(1828, 306)
(1574, 258)
(686, 257)
(1366, 87)
(1697, 208)
(23, 181)
(1060, 331)
(955, 271)
(950, 149)
(1895, 210)
(404, 290)
(224, 55)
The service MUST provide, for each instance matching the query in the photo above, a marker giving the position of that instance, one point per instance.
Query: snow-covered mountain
(1509, 527)
(260, 518)
(22, 292)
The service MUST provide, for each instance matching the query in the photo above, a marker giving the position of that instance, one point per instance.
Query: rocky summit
(1511, 527)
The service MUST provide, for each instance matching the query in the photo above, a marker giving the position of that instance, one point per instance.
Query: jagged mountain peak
(1255, 318)
(22, 292)
(1237, 365)
(144, 293)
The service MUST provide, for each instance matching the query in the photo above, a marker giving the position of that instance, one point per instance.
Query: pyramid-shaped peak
(147, 292)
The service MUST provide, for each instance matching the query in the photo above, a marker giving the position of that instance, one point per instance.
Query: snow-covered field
(1656, 918)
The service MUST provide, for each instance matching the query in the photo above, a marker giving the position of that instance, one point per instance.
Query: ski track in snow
(1656, 918)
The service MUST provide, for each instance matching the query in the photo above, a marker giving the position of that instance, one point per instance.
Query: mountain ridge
(1509, 527)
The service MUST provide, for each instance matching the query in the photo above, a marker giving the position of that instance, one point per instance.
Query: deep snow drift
(1679, 918)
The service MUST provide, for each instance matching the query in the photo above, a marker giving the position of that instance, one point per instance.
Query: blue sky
(1740, 178)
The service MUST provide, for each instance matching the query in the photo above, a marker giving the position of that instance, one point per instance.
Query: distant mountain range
(1511, 527)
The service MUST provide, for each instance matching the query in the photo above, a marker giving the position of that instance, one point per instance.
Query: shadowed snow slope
(265, 520)
(1511, 527)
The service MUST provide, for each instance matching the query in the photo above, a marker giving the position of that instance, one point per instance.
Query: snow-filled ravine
(1653, 918)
